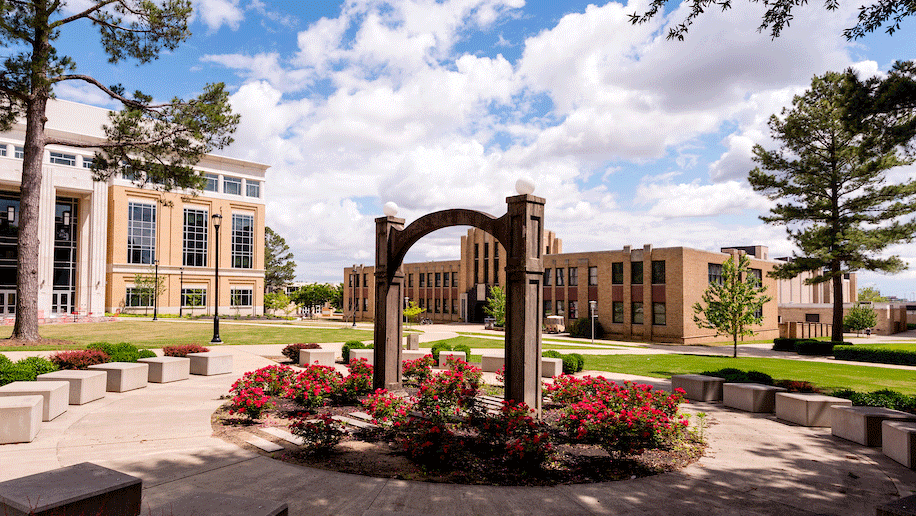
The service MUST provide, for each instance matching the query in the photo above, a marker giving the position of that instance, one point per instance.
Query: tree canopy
(886, 13)
(496, 305)
(279, 266)
(154, 143)
(860, 317)
(829, 179)
(871, 294)
(314, 295)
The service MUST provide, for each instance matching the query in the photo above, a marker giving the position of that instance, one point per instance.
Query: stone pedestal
(210, 363)
(56, 395)
(324, 357)
(82, 489)
(85, 386)
(698, 387)
(167, 369)
(492, 363)
(445, 355)
(20, 417)
(368, 354)
(413, 355)
(551, 367)
(124, 376)
(750, 397)
(898, 441)
(413, 341)
(863, 424)
(807, 409)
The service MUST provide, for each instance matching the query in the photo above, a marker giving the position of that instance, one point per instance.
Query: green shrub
(569, 364)
(440, 346)
(4, 361)
(465, 348)
(882, 398)
(350, 344)
(875, 354)
(572, 363)
(580, 361)
(911, 326)
(25, 370)
(814, 347)
(732, 375)
(582, 328)
(784, 344)
(551, 353)
(121, 352)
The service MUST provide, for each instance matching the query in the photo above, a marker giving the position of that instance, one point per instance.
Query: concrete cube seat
(210, 363)
(324, 357)
(445, 355)
(204, 503)
(698, 387)
(413, 341)
(898, 441)
(492, 363)
(20, 417)
(863, 424)
(167, 369)
(123, 376)
(56, 395)
(551, 367)
(85, 386)
(750, 397)
(903, 507)
(414, 354)
(81, 489)
(807, 409)
(368, 354)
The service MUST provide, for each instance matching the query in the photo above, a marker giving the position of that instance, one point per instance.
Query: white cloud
(676, 200)
(216, 13)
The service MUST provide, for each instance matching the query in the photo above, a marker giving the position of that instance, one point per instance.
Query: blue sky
(631, 138)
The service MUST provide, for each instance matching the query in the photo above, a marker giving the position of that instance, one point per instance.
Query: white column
(46, 242)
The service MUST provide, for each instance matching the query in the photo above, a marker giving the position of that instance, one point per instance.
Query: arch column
(389, 295)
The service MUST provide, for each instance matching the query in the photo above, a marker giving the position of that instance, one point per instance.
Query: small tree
(496, 305)
(734, 305)
(148, 287)
(412, 311)
(279, 267)
(277, 301)
(860, 317)
(871, 294)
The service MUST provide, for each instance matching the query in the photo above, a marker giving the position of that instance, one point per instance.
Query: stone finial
(390, 209)
(524, 185)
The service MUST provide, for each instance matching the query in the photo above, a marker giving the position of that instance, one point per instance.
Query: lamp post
(217, 219)
(156, 291)
(180, 291)
(406, 306)
(592, 308)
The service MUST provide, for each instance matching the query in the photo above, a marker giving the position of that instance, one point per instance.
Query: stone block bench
(19, 420)
(56, 395)
(445, 355)
(324, 357)
(863, 424)
(698, 387)
(368, 354)
(898, 441)
(206, 503)
(123, 376)
(902, 507)
(413, 341)
(85, 386)
(492, 363)
(807, 409)
(167, 369)
(211, 363)
(81, 489)
(551, 367)
(750, 397)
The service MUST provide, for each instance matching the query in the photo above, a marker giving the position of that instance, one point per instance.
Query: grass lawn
(477, 342)
(897, 346)
(828, 376)
(548, 340)
(149, 334)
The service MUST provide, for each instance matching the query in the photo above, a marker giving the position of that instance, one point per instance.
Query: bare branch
(92, 80)
(84, 14)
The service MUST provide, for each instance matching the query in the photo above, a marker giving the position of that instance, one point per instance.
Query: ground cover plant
(440, 430)
(23, 370)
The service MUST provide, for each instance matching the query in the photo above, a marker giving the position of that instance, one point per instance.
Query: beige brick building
(642, 293)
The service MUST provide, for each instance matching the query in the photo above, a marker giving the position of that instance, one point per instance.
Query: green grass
(555, 343)
(476, 342)
(149, 334)
(828, 376)
(897, 346)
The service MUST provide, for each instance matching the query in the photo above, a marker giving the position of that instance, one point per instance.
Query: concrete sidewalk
(755, 464)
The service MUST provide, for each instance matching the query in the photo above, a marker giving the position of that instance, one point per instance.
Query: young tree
(839, 139)
(149, 287)
(496, 305)
(279, 266)
(277, 301)
(337, 300)
(162, 140)
(732, 307)
(313, 295)
(860, 317)
(412, 311)
(871, 294)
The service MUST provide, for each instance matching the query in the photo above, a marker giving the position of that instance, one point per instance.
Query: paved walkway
(755, 464)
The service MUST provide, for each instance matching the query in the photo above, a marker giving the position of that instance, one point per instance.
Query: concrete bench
(167, 369)
(807, 409)
(211, 363)
(368, 354)
(56, 395)
(750, 397)
(898, 441)
(863, 424)
(445, 355)
(20, 417)
(205, 503)
(414, 354)
(123, 376)
(698, 387)
(85, 386)
(81, 489)
(413, 341)
(902, 507)
(551, 367)
(324, 357)
(492, 363)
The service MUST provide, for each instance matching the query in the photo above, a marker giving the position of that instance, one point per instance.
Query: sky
(632, 139)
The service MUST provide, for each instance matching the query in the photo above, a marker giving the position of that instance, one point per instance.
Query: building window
(2, 149)
(617, 273)
(815, 318)
(365, 304)
(548, 307)
(87, 162)
(211, 183)
(756, 273)
(422, 302)
(445, 280)
(429, 279)
(195, 237)
(593, 276)
(476, 262)
(561, 309)
(59, 158)
(617, 316)
(454, 306)
(715, 273)
(422, 280)
(438, 305)
(365, 279)
(547, 273)
(138, 297)
(410, 280)
(240, 297)
(232, 185)
(357, 279)
(658, 314)
(658, 272)
(637, 313)
(454, 279)
(573, 309)
(18, 152)
(438, 279)
(141, 233)
(560, 273)
(573, 276)
(193, 297)
(636, 273)
(252, 188)
(242, 241)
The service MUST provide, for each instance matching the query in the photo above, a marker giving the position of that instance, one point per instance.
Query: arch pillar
(389, 296)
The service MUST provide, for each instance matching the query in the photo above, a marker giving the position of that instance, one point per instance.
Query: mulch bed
(63, 344)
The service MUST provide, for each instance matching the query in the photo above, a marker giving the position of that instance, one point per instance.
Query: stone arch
(520, 231)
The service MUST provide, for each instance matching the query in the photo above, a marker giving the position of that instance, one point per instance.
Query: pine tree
(829, 179)
(157, 142)
(279, 266)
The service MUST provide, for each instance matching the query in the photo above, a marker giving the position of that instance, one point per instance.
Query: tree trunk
(837, 305)
(735, 343)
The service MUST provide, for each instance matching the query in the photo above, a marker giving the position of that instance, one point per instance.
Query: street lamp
(217, 220)
(156, 291)
(592, 308)
(353, 299)
(406, 306)
(180, 291)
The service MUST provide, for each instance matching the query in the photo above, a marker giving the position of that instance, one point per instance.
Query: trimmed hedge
(182, 350)
(882, 398)
(732, 375)
(4, 360)
(122, 352)
(816, 347)
(875, 354)
(785, 344)
(25, 370)
(350, 344)
(572, 363)
(292, 351)
(444, 346)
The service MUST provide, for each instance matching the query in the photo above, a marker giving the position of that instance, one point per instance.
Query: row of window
(190, 297)
(636, 273)
(486, 263)
(141, 236)
(437, 279)
(232, 185)
(57, 158)
(561, 308)
(637, 315)
(365, 305)
(356, 278)
(438, 306)
(715, 274)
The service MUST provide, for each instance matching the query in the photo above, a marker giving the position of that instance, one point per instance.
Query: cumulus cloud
(216, 13)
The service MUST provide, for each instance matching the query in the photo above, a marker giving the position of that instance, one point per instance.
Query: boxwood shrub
(881, 398)
(122, 352)
(732, 375)
(350, 344)
(25, 370)
(784, 344)
(875, 354)
(815, 347)
(572, 362)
